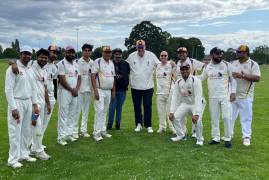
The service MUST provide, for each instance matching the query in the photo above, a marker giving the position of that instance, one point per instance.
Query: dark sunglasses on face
(163, 55)
(87, 50)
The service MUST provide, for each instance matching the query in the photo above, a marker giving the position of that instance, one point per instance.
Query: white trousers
(84, 100)
(19, 134)
(67, 117)
(101, 107)
(48, 116)
(163, 107)
(244, 108)
(193, 127)
(219, 106)
(179, 121)
(37, 131)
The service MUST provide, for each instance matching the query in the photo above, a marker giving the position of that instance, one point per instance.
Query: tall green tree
(1, 51)
(16, 45)
(261, 54)
(97, 53)
(156, 39)
(194, 46)
(229, 54)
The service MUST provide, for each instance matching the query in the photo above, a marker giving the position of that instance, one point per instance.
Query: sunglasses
(87, 50)
(163, 55)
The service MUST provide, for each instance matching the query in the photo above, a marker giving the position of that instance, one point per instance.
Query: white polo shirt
(85, 71)
(245, 88)
(40, 80)
(218, 76)
(52, 73)
(70, 71)
(105, 73)
(164, 77)
(195, 66)
(187, 92)
(19, 86)
(142, 69)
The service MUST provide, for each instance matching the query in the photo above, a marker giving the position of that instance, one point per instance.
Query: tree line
(156, 40)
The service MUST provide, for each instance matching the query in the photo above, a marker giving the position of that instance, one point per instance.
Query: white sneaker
(105, 134)
(160, 130)
(246, 142)
(62, 142)
(175, 139)
(29, 159)
(173, 131)
(86, 135)
(193, 135)
(16, 165)
(44, 147)
(43, 156)
(150, 130)
(97, 137)
(75, 136)
(70, 138)
(138, 128)
(200, 143)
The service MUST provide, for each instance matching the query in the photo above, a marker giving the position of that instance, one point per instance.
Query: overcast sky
(223, 23)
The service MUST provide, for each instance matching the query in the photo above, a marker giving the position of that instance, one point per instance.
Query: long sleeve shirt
(187, 92)
(19, 86)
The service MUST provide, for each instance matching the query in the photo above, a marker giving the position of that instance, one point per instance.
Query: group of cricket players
(32, 87)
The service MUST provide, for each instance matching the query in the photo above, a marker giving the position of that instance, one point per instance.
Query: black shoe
(213, 142)
(109, 127)
(228, 144)
(117, 126)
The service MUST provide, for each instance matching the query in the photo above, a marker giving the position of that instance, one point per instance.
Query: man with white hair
(22, 102)
(142, 66)
(165, 72)
(69, 84)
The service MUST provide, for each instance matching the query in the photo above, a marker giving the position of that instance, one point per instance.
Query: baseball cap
(68, 48)
(107, 49)
(26, 49)
(140, 43)
(184, 65)
(242, 48)
(182, 49)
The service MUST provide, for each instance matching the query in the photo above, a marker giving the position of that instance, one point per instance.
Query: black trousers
(146, 96)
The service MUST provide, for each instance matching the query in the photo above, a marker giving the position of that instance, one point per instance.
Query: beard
(41, 64)
(70, 58)
(217, 60)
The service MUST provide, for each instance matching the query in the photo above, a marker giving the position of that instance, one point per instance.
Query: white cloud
(233, 40)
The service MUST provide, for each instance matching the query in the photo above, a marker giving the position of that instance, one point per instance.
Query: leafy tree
(97, 53)
(155, 38)
(229, 54)
(261, 54)
(10, 53)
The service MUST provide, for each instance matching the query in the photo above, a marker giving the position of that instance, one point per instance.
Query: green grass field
(128, 155)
